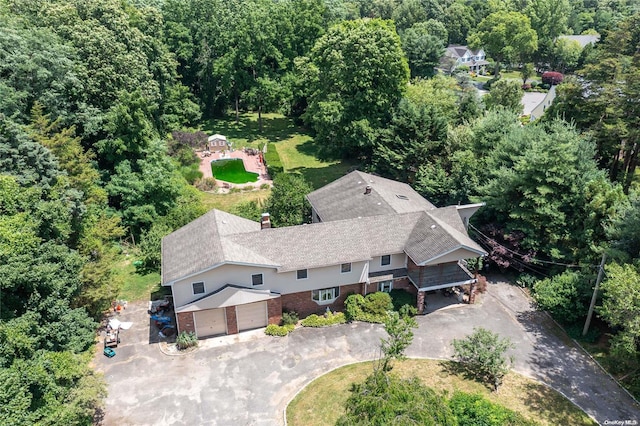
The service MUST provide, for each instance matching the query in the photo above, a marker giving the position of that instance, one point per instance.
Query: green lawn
(321, 402)
(296, 147)
(136, 286)
(226, 202)
(232, 170)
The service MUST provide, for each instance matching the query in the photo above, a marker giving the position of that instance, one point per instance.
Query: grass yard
(321, 402)
(136, 286)
(226, 202)
(295, 146)
(232, 170)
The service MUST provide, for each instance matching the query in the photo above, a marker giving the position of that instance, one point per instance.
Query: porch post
(420, 302)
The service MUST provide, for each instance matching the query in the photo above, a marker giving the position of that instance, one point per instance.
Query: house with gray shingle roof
(230, 274)
(456, 56)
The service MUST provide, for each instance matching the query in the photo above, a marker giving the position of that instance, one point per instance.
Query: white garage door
(210, 322)
(252, 315)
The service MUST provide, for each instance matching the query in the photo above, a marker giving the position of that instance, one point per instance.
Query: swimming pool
(232, 170)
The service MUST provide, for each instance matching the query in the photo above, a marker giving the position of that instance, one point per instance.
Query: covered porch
(438, 277)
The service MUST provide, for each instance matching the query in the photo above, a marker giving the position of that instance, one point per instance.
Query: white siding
(283, 283)
(454, 256)
(398, 260)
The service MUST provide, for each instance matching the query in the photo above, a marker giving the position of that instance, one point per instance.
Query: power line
(521, 263)
(532, 260)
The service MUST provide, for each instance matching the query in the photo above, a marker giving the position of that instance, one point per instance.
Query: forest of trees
(90, 91)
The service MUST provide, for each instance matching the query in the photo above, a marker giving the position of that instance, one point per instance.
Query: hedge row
(272, 160)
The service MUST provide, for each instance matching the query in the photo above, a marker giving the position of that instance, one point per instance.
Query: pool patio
(251, 164)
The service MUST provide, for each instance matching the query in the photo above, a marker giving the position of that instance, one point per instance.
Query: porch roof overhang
(447, 285)
(229, 295)
(428, 278)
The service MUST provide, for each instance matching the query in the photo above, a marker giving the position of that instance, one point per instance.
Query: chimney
(367, 190)
(265, 221)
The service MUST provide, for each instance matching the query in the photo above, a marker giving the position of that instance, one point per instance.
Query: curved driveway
(249, 379)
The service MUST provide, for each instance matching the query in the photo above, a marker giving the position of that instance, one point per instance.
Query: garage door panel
(251, 315)
(210, 322)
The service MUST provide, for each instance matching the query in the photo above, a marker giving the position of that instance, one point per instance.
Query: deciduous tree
(506, 37)
(483, 353)
(360, 75)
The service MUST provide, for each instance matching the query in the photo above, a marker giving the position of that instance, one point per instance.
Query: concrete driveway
(248, 379)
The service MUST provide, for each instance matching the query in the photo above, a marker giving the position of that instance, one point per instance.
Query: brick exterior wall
(406, 285)
(232, 320)
(303, 305)
(398, 283)
(185, 322)
(274, 310)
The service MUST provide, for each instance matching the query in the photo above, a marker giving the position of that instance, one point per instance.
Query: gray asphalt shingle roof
(345, 198)
(199, 245)
(414, 226)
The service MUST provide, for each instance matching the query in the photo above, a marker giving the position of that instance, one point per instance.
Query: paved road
(249, 379)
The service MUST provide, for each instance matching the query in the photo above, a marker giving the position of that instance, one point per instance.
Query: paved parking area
(248, 379)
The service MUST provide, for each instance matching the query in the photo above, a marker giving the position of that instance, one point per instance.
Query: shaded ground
(248, 379)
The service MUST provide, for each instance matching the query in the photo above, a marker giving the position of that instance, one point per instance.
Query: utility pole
(595, 295)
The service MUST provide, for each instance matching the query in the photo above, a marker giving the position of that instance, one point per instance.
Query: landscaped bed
(232, 170)
(322, 401)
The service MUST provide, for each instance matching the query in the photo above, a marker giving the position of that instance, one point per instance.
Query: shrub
(473, 409)
(192, 139)
(272, 161)
(325, 320)
(290, 318)
(526, 86)
(279, 330)
(526, 280)
(400, 297)
(552, 77)
(377, 304)
(575, 332)
(265, 186)
(561, 296)
(372, 308)
(386, 399)
(491, 82)
(545, 86)
(186, 340)
(483, 355)
(534, 84)
(191, 173)
(205, 184)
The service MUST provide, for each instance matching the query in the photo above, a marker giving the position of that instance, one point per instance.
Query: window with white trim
(257, 279)
(345, 267)
(301, 274)
(325, 295)
(198, 288)
(385, 260)
(385, 286)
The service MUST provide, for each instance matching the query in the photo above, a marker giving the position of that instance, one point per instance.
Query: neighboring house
(583, 40)
(218, 142)
(230, 274)
(456, 56)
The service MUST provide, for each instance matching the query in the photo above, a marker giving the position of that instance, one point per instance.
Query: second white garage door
(252, 315)
(210, 322)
